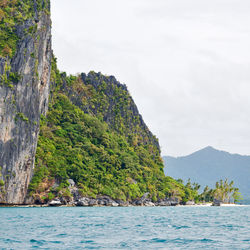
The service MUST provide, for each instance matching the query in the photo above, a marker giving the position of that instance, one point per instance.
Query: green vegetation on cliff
(12, 14)
(94, 135)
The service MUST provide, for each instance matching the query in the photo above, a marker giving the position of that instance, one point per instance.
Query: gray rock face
(22, 101)
(133, 122)
(100, 201)
(168, 202)
(55, 203)
(83, 202)
(190, 203)
(71, 183)
(149, 204)
(217, 203)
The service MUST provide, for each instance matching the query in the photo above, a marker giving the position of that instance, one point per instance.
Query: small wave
(187, 241)
(38, 242)
(11, 241)
(247, 240)
(181, 240)
(176, 240)
(19, 217)
(42, 242)
(123, 244)
(230, 226)
(158, 240)
(207, 240)
(55, 242)
(61, 235)
(47, 226)
(99, 225)
(180, 227)
(87, 241)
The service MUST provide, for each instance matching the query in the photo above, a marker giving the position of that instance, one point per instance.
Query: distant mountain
(209, 165)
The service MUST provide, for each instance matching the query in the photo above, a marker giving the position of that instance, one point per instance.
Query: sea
(125, 228)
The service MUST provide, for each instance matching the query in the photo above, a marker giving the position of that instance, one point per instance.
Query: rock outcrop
(113, 103)
(190, 203)
(106, 201)
(24, 92)
(217, 203)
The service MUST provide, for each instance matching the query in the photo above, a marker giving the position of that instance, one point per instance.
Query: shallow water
(126, 227)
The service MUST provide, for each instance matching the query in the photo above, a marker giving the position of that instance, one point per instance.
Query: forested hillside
(94, 135)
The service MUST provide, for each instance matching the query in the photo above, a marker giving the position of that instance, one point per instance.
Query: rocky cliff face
(24, 91)
(94, 136)
(107, 98)
(92, 133)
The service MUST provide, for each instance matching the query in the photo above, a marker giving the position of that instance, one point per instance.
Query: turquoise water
(122, 228)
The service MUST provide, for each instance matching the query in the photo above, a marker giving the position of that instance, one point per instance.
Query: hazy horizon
(186, 64)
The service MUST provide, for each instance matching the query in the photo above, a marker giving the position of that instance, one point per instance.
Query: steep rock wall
(24, 91)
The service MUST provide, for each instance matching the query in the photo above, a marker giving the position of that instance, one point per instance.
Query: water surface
(122, 228)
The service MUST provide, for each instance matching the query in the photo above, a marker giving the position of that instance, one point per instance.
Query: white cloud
(185, 62)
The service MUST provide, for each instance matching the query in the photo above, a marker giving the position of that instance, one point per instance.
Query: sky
(186, 63)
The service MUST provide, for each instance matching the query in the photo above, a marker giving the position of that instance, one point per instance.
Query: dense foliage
(224, 191)
(76, 143)
(12, 14)
(108, 99)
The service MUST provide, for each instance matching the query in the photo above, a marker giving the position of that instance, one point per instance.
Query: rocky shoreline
(105, 201)
(100, 201)
(77, 200)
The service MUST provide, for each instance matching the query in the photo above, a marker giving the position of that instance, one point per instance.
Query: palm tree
(188, 185)
(204, 194)
(196, 186)
(236, 195)
(230, 190)
(224, 191)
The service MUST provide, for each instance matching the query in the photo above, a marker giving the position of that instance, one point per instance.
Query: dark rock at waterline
(108, 201)
(55, 203)
(217, 203)
(168, 202)
(83, 202)
(190, 203)
(100, 201)
(122, 203)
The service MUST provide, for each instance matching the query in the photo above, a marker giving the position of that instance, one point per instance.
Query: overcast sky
(186, 63)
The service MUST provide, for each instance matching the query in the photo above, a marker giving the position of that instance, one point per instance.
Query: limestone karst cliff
(92, 139)
(94, 144)
(25, 62)
(94, 135)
